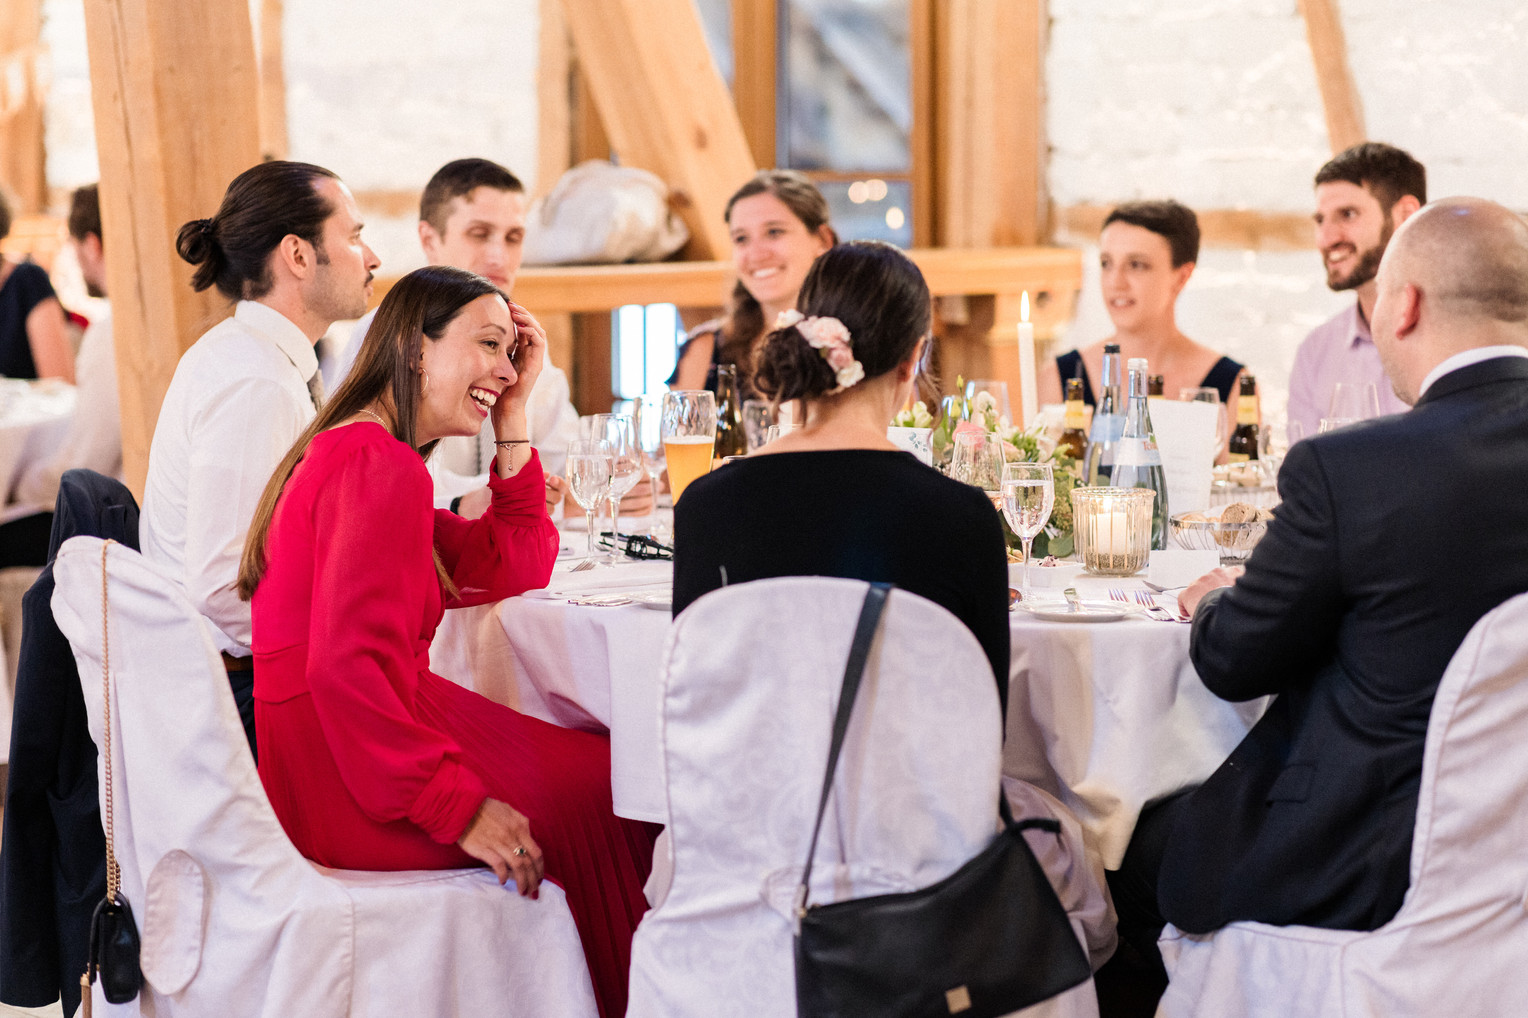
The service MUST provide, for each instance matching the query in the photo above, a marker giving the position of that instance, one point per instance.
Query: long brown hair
(744, 322)
(422, 303)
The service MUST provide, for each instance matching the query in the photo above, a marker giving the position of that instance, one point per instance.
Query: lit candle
(1028, 392)
(1112, 528)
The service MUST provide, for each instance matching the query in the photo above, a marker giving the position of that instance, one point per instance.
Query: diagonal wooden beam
(664, 105)
(1339, 93)
(22, 162)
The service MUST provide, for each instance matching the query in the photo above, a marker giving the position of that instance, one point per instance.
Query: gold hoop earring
(424, 389)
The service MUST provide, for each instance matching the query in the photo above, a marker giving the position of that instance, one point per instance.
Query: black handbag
(113, 933)
(987, 940)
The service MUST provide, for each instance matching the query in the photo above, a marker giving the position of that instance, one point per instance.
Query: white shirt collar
(279, 329)
(1465, 358)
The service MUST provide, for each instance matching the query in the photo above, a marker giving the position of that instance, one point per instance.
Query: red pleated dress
(373, 762)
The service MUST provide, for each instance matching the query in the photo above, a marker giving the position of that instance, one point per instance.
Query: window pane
(645, 348)
(845, 92)
(716, 21)
(871, 209)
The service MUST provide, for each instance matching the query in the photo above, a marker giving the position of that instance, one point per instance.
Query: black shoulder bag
(986, 941)
(113, 933)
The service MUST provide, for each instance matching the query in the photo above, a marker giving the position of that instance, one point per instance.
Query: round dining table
(1106, 716)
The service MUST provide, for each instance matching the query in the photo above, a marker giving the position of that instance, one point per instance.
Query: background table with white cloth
(1105, 716)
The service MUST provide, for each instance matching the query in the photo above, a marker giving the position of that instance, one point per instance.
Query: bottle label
(1246, 410)
(1238, 457)
(1108, 427)
(1075, 415)
(1137, 452)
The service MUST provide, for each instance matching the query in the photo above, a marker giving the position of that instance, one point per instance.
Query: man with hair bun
(1362, 195)
(285, 245)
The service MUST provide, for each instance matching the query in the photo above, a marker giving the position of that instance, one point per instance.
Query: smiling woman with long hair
(370, 760)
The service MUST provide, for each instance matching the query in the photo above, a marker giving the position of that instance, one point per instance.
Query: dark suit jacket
(53, 862)
(1395, 536)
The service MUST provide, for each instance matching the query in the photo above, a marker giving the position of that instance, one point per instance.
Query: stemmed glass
(1208, 394)
(999, 390)
(618, 433)
(689, 436)
(978, 461)
(1353, 401)
(1029, 495)
(648, 412)
(588, 483)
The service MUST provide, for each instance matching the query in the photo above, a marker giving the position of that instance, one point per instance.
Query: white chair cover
(1457, 946)
(751, 681)
(233, 921)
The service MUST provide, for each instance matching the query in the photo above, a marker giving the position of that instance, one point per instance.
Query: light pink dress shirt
(1339, 350)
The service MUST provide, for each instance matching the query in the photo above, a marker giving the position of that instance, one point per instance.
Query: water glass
(588, 480)
(978, 461)
(618, 434)
(997, 388)
(1333, 423)
(1029, 495)
(757, 418)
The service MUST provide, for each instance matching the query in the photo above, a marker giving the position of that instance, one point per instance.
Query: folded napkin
(625, 578)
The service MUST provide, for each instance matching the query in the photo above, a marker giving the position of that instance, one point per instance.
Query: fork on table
(1146, 600)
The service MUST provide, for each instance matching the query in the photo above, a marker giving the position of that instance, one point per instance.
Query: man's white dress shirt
(238, 401)
(460, 465)
(94, 441)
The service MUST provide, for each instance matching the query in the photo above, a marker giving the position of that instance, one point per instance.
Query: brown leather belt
(233, 664)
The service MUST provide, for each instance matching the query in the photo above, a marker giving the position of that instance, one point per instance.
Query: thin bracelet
(514, 441)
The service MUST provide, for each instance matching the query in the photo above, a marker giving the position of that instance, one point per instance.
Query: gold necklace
(376, 417)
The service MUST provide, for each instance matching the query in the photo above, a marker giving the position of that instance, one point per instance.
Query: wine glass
(757, 419)
(648, 414)
(1029, 495)
(1333, 423)
(774, 431)
(1354, 401)
(997, 388)
(618, 433)
(978, 461)
(689, 435)
(588, 483)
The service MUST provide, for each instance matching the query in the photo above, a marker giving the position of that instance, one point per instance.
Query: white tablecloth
(1107, 717)
(34, 420)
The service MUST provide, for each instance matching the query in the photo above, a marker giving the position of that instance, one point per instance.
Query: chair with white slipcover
(1457, 945)
(233, 921)
(751, 679)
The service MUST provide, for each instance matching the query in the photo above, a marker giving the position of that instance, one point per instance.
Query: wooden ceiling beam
(664, 106)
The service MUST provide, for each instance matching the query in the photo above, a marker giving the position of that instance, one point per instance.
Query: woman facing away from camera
(834, 497)
(779, 225)
(370, 760)
(1146, 254)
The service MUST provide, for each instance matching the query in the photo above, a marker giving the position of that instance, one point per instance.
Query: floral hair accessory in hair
(831, 339)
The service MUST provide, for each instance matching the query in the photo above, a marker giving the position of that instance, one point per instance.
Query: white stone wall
(1214, 102)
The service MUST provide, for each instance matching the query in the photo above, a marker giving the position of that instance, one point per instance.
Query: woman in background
(834, 497)
(779, 225)
(370, 760)
(34, 342)
(1146, 254)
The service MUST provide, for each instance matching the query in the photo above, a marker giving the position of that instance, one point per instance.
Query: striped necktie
(316, 389)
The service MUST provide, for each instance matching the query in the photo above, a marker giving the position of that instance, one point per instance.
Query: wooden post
(22, 164)
(273, 114)
(177, 117)
(988, 73)
(1339, 93)
(754, 24)
(664, 105)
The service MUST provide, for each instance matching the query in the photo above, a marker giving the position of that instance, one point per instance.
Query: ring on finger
(519, 850)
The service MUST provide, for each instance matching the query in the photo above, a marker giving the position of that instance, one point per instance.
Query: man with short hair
(1352, 605)
(286, 245)
(94, 439)
(1362, 195)
(472, 216)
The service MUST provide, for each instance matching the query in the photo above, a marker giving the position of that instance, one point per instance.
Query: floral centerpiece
(1036, 444)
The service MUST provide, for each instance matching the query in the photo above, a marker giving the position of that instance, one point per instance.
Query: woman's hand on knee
(500, 836)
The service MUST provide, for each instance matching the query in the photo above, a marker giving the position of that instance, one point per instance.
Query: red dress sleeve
(376, 602)
(509, 550)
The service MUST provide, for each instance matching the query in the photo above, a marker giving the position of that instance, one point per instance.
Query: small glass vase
(1112, 527)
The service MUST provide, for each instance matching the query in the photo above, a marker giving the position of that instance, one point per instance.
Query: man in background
(1362, 195)
(94, 439)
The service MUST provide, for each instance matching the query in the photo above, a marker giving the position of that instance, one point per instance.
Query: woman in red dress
(370, 760)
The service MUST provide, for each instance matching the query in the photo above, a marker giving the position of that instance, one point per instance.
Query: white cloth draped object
(233, 921)
(1457, 945)
(751, 679)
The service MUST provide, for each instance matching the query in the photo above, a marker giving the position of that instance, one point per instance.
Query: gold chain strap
(113, 871)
